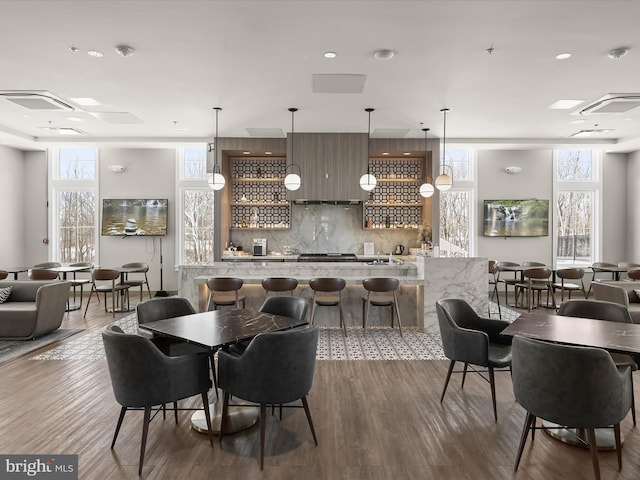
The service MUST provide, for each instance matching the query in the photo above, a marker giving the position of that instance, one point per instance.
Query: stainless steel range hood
(303, 201)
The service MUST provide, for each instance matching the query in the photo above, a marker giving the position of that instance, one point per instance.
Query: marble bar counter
(422, 281)
(193, 286)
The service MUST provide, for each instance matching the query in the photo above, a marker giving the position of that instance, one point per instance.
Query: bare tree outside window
(76, 226)
(198, 226)
(454, 222)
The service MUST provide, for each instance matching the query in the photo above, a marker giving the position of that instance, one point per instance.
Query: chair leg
(342, 323)
(175, 411)
(528, 421)
(492, 382)
(464, 374)
(145, 431)
(207, 414)
(446, 382)
(223, 418)
(395, 304)
(263, 420)
(89, 301)
(616, 434)
(212, 360)
(593, 448)
(313, 310)
(305, 404)
(123, 410)
(633, 400)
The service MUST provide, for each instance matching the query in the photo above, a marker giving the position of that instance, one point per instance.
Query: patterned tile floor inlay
(379, 343)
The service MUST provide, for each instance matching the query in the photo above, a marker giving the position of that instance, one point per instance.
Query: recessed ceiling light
(383, 54)
(565, 104)
(407, 153)
(85, 101)
(268, 153)
(330, 54)
(580, 120)
(617, 53)
(563, 56)
(74, 119)
(246, 153)
(95, 53)
(385, 153)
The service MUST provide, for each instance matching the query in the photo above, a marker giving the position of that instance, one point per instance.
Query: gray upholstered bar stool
(279, 284)
(327, 292)
(381, 292)
(225, 291)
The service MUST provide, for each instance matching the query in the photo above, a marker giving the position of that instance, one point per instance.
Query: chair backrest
(48, 265)
(82, 264)
(224, 284)
(507, 264)
(492, 267)
(327, 284)
(3, 274)
(538, 273)
(381, 284)
(293, 307)
(276, 367)
(163, 307)
(628, 265)
(141, 375)
(143, 267)
(101, 274)
(597, 265)
(42, 274)
(634, 274)
(279, 284)
(595, 309)
(570, 273)
(533, 264)
(569, 385)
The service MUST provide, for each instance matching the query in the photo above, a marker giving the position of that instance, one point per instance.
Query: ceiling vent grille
(36, 100)
(590, 133)
(612, 103)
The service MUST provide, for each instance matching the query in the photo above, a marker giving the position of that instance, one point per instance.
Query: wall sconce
(116, 168)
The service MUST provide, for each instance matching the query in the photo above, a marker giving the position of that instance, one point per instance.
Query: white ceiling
(256, 58)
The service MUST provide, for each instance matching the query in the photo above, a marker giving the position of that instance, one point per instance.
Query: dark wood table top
(623, 337)
(218, 328)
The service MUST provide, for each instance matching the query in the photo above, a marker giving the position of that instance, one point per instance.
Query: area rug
(378, 343)
(11, 349)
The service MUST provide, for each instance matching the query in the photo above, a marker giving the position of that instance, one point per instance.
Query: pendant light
(368, 181)
(216, 179)
(426, 189)
(444, 181)
(292, 180)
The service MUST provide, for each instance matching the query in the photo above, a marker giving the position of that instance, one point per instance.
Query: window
(74, 212)
(195, 209)
(577, 193)
(457, 215)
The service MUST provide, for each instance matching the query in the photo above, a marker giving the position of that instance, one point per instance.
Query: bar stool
(384, 295)
(279, 284)
(326, 286)
(226, 299)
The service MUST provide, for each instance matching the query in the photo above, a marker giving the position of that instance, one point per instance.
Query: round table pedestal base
(240, 418)
(605, 439)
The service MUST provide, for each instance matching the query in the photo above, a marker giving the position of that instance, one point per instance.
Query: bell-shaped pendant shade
(426, 190)
(216, 181)
(292, 181)
(368, 182)
(443, 182)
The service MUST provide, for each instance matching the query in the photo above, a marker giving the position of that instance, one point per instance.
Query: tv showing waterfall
(134, 216)
(516, 218)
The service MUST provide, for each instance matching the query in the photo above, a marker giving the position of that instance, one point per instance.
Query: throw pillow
(4, 294)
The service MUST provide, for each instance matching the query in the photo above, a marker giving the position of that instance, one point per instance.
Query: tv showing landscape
(516, 218)
(134, 216)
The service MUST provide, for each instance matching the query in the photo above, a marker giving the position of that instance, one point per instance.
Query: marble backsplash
(328, 228)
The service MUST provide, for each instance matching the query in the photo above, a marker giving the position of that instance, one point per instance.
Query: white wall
(36, 228)
(12, 212)
(614, 209)
(633, 208)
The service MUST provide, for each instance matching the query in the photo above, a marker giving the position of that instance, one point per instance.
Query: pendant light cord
(444, 138)
(216, 167)
(368, 110)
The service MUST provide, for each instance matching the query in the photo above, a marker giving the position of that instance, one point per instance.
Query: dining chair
(104, 281)
(600, 267)
(472, 340)
(42, 274)
(276, 369)
(3, 274)
(573, 386)
(493, 284)
(141, 269)
(610, 312)
(143, 377)
(381, 292)
(634, 274)
(569, 274)
(225, 291)
(279, 285)
(507, 267)
(78, 282)
(327, 292)
(538, 279)
(47, 265)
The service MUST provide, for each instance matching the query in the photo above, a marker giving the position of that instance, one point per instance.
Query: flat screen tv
(516, 218)
(134, 216)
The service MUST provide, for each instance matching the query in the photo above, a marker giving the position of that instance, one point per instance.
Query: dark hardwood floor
(374, 420)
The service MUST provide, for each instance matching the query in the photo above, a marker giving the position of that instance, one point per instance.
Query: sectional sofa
(33, 308)
(624, 292)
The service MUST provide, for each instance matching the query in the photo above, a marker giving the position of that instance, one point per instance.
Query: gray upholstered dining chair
(611, 312)
(276, 369)
(143, 377)
(578, 387)
(473, 340)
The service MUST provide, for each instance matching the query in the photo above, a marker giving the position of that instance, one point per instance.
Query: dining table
(218, 329)
(588, 332)
(15, 271)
